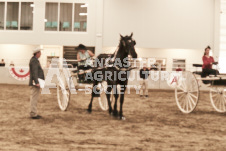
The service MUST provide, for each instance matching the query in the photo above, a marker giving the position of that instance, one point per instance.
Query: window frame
(31, 1)
(4, 15)
(19, 16)
(73, 10)
(173, 63)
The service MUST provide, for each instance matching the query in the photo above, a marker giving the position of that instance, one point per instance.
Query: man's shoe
(146, 96)
(36, 117)
(141, 96)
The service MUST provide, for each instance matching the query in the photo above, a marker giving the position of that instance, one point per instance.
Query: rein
(112, 60)
(118, 68)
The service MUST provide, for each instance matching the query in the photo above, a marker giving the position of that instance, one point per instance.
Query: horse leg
(90, 104)
(121, 104)
(108, 94)
(92, 95)
(115, 112)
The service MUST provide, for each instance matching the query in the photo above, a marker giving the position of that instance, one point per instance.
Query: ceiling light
(83, 14)
(85, 5)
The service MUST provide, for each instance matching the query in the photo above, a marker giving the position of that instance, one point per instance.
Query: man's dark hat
(81, 47)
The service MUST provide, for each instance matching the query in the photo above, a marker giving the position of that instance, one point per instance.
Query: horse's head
(128, 44)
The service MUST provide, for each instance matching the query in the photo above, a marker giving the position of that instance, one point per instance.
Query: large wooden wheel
(187, 92)
(103, 102)
(63, 92)
(218, 98)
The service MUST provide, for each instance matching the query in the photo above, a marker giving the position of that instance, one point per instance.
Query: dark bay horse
(116, 72)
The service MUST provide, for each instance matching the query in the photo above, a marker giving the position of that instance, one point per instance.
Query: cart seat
(220, 82)
(198, 72)
(197, 65)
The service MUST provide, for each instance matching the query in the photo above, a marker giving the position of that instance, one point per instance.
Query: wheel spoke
(218, 102)
(184, 103)
(214, 90)
(180, 88)
(192, 100)
(221, 103)
(180, 92)
(181, 96)
(214, 95)
(222, 99)
(189, 102)
(190, 83)
(193, 95)
(183, 84)
(195, 91)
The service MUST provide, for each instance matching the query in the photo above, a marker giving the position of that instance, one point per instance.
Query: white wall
(222, 62)
(165, 29)
(19, 54)
(186, 24)
(190, 55)
(50, 50)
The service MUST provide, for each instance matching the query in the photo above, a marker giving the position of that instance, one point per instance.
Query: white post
(99, 26)
(217, 12)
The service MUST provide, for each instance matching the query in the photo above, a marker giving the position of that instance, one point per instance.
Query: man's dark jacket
(35, 71)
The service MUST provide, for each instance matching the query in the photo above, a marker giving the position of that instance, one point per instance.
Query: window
(2, 10)
(51, 17)
(80, 17)
(26, 22)
(156, 64)
(12, 15)
(65, 16)
(14, 11)
(179, 65)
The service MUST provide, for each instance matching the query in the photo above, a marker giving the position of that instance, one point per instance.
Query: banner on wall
(175, 79)
(19, 73)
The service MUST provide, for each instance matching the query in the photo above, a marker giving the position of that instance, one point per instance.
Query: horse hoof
(123, 118)
(89, 111)
(115, 114)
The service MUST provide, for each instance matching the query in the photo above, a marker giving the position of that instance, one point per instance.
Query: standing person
(2, 63)
(144, 73)
(84, 57)
(35, 73)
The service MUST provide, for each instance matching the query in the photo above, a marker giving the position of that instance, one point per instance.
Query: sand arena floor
(151, 124)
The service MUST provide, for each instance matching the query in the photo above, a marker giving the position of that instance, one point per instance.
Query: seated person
(84, 58)
(11, 64)
(207, 65)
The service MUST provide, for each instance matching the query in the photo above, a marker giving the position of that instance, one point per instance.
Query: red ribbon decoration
(20, 76)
